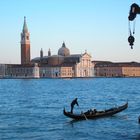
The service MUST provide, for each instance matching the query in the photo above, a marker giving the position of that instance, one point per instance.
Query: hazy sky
(98, 26)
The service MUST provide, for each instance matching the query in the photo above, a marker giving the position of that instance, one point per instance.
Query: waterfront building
(21, 71)
(121, 69)
(64, 64)
(56, 72)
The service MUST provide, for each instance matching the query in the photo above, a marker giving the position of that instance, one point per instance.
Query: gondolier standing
(73, 103)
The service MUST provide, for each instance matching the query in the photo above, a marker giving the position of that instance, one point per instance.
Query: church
(62, 65)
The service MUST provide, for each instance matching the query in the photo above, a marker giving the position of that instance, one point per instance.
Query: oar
(85, 116)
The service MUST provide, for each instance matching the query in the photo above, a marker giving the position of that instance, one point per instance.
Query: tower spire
(49, 52)
(63, 44)
(25, 29)
(41, 53)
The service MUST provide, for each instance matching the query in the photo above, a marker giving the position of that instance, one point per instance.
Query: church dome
(63, 51)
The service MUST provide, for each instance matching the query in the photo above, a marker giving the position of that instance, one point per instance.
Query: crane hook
(131, 40)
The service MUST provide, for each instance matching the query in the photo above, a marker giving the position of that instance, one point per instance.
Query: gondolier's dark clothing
(73, 103)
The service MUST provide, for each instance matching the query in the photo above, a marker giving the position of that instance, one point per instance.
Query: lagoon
(32, 109)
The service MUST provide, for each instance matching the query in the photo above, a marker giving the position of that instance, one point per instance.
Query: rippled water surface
(33, 109)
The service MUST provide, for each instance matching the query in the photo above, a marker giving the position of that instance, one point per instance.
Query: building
(64, 64)
(21, 71)
(125, 69)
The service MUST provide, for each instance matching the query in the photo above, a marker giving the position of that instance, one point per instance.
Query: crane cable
(134, 23)
(129, 27)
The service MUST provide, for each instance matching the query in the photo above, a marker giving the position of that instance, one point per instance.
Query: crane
(134, 10)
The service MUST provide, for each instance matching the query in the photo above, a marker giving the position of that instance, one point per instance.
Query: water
(33, 109)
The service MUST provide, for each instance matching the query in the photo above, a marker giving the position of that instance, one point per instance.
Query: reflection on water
(33, 109)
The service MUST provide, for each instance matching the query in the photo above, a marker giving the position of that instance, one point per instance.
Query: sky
(98, 26)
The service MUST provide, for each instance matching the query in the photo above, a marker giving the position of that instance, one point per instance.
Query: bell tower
(25, 44)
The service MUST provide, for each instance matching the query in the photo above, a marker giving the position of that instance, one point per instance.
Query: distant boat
(94, 114)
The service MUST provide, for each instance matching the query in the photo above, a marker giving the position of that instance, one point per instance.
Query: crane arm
(134, 10)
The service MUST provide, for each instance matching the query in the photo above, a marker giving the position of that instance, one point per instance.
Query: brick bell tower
(25, 44)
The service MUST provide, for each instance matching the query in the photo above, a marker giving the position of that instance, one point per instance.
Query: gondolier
(73, 104)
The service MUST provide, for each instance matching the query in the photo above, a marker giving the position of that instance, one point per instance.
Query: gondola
(94, 114)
